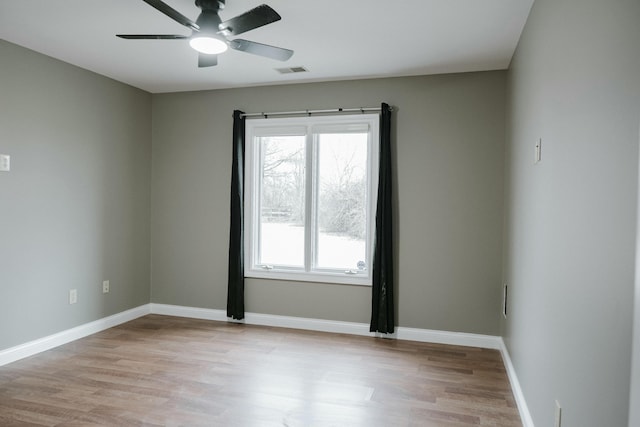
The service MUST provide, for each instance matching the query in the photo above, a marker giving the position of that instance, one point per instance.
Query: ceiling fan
(209, 34)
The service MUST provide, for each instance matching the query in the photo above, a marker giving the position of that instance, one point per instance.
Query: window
(310, 198)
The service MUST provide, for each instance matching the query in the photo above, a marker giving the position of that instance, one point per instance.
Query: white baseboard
(352, 328)
(446, 337)
(21, 351)
(265, 320)
(525, 415)
(191, 312)
(402, 333)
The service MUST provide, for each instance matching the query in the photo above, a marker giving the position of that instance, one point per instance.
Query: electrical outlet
(105, 287)
(558, 417)
(73, 296)
(538, 151)
(5, 163)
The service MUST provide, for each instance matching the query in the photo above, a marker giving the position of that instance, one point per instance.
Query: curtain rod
(310, 112)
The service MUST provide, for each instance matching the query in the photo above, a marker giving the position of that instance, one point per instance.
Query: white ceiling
(333, 39)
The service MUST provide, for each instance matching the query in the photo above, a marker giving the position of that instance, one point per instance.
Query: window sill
(335, 279)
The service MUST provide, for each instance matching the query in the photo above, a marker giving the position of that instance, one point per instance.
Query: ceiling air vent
(290, 70)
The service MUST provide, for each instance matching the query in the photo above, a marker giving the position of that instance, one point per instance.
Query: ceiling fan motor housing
(214, 5)
(208, 21)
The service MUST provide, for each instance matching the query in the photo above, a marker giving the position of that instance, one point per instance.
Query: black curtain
(382, 311)
(235, 293)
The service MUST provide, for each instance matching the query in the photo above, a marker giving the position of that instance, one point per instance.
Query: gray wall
(634, 395)
(449, 140)
(74, 210)
(571, 220)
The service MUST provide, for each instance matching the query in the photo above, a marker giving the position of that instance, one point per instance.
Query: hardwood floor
(168, 371)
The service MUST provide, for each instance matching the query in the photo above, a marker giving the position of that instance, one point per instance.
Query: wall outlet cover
(5, 163)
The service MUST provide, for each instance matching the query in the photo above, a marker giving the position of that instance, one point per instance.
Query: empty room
(336, 213)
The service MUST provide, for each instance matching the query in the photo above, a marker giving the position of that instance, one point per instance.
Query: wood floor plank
(169, 371)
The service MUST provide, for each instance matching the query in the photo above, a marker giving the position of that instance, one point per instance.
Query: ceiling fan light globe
(208, 45)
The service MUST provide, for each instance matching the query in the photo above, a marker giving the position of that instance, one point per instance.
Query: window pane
(282, 201)
(342, 201)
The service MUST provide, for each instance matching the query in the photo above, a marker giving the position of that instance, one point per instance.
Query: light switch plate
(5, 163)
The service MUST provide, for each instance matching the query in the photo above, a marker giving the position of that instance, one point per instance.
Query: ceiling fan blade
(172, 13)
(266, 50)
(152, 36)
(256, 17)
(205, 60)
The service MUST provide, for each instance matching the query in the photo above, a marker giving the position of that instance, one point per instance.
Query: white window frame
(310, 127)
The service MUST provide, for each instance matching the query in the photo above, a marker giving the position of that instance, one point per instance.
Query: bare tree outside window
(343, 184)
(342, 192)
(283, 175)
(282, 200)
